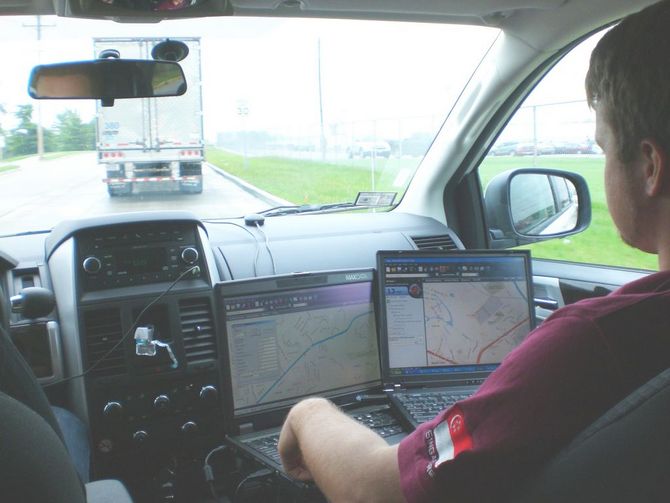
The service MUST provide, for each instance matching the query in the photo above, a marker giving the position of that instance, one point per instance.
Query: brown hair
(629, 79)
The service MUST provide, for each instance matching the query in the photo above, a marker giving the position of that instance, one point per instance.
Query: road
(39, 194)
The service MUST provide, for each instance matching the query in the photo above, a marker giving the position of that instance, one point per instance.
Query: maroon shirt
(581, 361)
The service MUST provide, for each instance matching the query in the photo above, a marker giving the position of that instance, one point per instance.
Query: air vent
(103, 331)
(443, 242)
(197, 330)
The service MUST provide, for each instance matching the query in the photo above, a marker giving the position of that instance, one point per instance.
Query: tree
(22, 140)
(3, 111)
(72, 133)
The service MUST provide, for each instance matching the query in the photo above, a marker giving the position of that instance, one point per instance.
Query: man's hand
(348, 461)
(289, 451)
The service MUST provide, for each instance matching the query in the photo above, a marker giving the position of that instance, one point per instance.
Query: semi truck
(150, 144)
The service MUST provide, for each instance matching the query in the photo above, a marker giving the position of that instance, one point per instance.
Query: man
(581, 361)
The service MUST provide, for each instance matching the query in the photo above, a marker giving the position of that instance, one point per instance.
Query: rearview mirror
(529, 205)
(107, 79)
(152, 5)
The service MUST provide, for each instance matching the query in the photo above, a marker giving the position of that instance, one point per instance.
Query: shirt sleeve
(553, 385)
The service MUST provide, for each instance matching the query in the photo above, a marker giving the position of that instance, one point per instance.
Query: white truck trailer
(149, 144)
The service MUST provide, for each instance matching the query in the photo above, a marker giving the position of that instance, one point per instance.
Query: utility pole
(322, 138)
(40, 133)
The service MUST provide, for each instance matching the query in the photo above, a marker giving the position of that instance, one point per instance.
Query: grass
(47, 156)
(307, 181)
(16, 158)
(8, 167)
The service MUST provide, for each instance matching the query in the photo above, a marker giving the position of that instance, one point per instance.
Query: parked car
(541, 148)
(504, 148)
(377, 148)
(587, 147)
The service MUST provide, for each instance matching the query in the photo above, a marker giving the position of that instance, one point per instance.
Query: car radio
(137, 255)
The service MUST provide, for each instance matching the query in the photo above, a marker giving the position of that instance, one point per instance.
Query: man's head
(627, 85)
(628, 79)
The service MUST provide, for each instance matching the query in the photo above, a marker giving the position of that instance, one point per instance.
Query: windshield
(277, 112)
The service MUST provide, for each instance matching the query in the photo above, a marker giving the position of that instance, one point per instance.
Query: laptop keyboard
(381, 421)
(268, 446)
(425, 406)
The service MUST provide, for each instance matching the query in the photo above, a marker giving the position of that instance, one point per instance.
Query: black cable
(267, 247)
(128, 332)
(258, 248)
(209, 474)
(258, 474)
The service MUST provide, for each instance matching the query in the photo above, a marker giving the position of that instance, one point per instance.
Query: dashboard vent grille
(103, 330)
(443, 242)
(197, 328)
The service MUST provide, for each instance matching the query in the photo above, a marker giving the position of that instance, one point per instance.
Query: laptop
(447, 319)
(293, 336)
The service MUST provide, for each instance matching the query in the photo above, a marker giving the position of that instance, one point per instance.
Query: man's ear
(656, 168)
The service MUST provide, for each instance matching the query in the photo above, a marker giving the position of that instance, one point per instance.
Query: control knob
(113, 410)
(189, 255)
(92, 265)
(140, 437)
(189, 428)
(161, 403)
(208, 394)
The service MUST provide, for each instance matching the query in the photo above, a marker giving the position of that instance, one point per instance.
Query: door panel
(566, 282)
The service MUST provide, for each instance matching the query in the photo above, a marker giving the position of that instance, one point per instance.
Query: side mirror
(107, 79)
(528, 205)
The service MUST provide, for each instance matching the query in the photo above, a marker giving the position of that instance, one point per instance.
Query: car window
(277, 112)
(554, 128)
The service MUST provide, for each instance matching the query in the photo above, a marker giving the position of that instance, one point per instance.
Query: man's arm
(348, 461)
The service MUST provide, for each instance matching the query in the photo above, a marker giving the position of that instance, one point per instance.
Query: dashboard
(118, 276)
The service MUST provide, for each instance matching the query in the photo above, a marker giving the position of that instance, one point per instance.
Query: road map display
(474, 323)
(312, 349)
(449, 313)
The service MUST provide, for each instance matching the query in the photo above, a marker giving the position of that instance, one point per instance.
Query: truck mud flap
(191, 186)
(119, 188)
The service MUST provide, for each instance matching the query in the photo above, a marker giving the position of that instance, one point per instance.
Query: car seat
(623, 456)
(35, 465)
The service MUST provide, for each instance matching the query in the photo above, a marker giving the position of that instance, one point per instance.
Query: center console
(146, 413)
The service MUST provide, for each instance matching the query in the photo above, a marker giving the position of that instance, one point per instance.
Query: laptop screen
(290, 337)
(452, 313)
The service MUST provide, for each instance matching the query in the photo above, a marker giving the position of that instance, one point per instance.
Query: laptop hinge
(246, 428)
